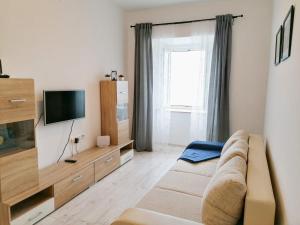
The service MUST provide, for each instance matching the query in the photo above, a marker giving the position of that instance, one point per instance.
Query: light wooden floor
(105, 201)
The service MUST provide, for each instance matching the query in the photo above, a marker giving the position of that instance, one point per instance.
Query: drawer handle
(123, 92)
(17, 100)
(77, 178)
(109, 160)
(35, 217)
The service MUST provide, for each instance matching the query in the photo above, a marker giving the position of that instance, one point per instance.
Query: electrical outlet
(80, 138)
(76, 140)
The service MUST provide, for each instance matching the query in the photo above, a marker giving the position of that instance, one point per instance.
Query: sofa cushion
(223, 200)
(206, 168)
(148, 217)
(172, 203)
(187, 183)
(238, 135)
(239, 148)
(237, 163)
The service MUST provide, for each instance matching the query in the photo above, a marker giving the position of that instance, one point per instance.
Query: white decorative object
(103, 141)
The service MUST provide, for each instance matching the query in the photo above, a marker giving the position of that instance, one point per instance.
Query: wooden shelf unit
(63, 181)
(18, 155)
(18, 159)
(114, 110)
(28, 194)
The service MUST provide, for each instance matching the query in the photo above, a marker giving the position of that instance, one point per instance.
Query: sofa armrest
(146, 217)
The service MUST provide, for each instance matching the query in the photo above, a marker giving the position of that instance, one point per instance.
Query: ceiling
(143, 4)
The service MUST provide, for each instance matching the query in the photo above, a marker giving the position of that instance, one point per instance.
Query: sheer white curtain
(181, 38)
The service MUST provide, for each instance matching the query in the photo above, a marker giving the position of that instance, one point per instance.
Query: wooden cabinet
(18, 155)
(19, 172)
(114, 111)
(59, 183)
(28, 194)
(71, 186)
(106, 165)
(17, 100)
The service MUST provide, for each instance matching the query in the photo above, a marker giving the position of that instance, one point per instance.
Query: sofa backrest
(260, 202)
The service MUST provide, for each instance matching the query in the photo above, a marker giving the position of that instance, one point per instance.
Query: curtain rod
(189, 21)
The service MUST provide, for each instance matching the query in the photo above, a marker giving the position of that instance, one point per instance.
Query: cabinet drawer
(35, 214)
(68, 188)
(17, 101)
(106, 165)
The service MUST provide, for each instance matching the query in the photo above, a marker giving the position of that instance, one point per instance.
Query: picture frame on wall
(287, 35)
(278, 46)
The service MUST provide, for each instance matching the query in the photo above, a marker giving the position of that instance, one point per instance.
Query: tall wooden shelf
(114, 110)
(18, 154)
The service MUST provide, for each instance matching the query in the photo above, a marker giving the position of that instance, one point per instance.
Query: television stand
(61, 182)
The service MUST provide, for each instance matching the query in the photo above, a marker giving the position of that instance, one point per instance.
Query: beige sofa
(178, 197)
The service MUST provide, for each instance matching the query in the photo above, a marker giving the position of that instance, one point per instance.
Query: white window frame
(179, 48)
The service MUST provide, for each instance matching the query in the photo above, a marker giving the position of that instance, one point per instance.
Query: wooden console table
(61, 182)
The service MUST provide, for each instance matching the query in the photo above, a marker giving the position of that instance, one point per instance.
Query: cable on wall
(40, 117)
(63, 152)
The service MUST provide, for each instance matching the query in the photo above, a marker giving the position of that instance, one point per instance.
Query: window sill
(186, 110)
(181, 110)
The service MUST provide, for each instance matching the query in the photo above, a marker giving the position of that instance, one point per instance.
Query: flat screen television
(63, 106)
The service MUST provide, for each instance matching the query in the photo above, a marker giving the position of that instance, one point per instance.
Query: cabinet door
(122, 100)
(17, 100)
(122, 92)
(122, 112)
(123, 131)
(19, 172)
(16, 137)
(108, 95)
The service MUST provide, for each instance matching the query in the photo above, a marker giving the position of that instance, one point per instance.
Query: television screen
(63, 105)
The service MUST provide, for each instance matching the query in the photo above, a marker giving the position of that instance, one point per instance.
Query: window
(181, 75)
(186, 73)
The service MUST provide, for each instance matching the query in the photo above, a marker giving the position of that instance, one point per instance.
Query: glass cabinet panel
(16, 136)
(122, 112)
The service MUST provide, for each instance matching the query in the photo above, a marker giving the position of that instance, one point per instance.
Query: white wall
(67, 44)
(282, 126)
(251, 37)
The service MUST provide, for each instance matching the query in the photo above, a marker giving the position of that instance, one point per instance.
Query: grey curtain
(143, 88)
(218, 100)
